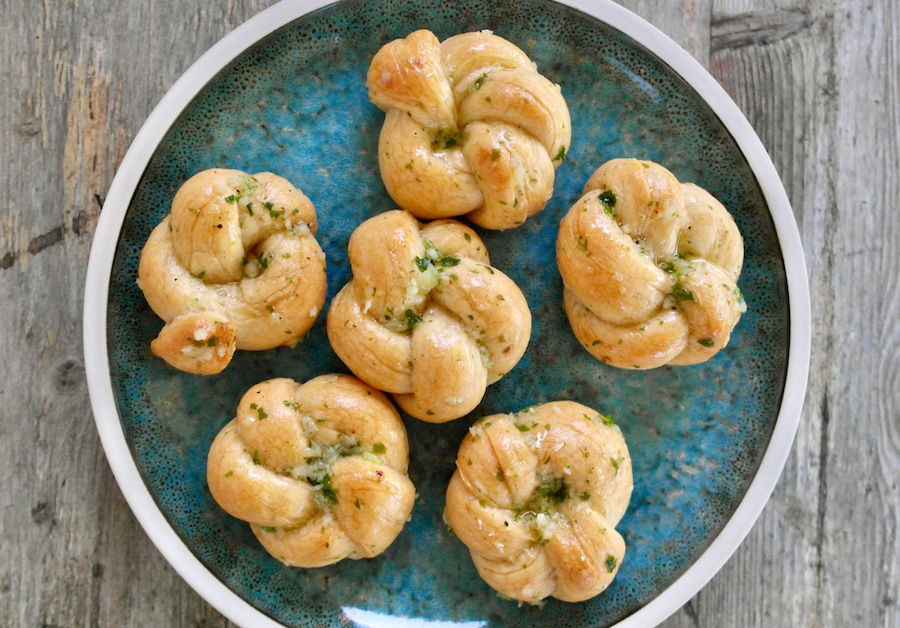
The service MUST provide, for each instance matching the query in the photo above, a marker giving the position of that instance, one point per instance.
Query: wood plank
(859, 568)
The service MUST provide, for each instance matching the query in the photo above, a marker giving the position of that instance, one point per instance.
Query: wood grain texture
(818, 81)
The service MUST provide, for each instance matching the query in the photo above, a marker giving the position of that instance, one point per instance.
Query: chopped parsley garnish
(434, 257)
(259, 411)
(445, 139)
(678, 268)
(553, 490)
(210, 342)
(328, 493)
(606, 419)
(608, 199)
(616, 462)
(411, 319)
(680, 293)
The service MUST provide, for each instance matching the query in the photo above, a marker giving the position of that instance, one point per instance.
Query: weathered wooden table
(820, 83)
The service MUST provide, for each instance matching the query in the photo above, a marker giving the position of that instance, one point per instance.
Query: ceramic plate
(286, 93)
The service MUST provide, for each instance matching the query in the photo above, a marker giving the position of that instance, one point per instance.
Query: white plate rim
(232, 45)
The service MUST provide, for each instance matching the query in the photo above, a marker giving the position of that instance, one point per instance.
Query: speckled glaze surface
(295, 103)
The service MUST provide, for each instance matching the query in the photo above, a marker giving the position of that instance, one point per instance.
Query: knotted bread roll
(471, 128)
(235, 265)
(650, 268)
(318, 469)
(536, 497)
(425, 317)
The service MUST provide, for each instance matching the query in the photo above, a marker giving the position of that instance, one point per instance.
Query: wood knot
(68, 375)
(43, 512)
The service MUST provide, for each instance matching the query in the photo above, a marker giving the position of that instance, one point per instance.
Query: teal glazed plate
(285, 92)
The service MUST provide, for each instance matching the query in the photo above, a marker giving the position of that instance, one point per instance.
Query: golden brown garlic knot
(318, 469)
(425, 316)
(650, 268)
(536, 498)
(235, 265)
(471, 128)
